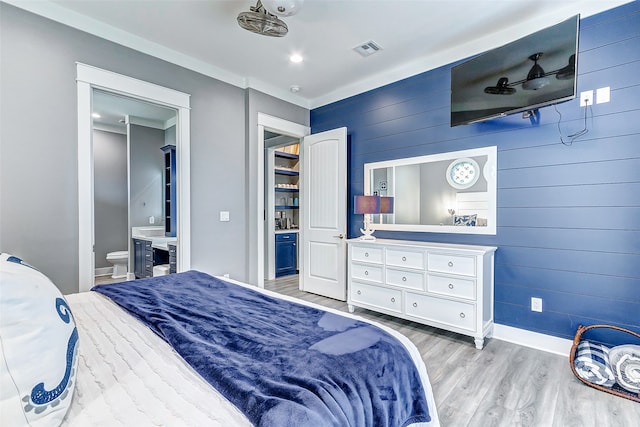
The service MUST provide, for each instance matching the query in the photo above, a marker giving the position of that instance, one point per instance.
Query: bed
(130, 364)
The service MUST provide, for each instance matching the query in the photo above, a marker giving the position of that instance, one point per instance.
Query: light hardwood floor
(502, 385)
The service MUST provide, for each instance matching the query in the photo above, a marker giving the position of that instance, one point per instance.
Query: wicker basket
(615, 390)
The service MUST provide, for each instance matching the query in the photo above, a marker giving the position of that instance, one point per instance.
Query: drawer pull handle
(366, 272)
(366, 254)
(404, 279)
(450, 285)
(393, 300)
(450, 264)
(404, 258)
(415, 304)
(359, 292)
(462, 315)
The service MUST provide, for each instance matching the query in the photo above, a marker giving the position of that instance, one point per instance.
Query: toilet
(120, 261)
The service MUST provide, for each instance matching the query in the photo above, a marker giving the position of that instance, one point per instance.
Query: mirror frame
(490, 173)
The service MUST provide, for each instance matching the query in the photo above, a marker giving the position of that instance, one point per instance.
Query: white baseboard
(548, 343)
(104, 271)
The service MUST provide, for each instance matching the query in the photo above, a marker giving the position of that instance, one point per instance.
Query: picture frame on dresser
(447, 286)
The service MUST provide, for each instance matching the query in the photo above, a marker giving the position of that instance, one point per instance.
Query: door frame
(256, 248)
(87, 79)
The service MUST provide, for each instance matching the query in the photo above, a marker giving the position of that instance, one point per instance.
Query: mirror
(453, 192)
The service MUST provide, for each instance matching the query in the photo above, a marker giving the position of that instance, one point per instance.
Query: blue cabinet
(142, 258)
(170, 190)
(286, 254)
(173, 258)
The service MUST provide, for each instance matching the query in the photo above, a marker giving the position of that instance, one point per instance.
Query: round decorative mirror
(463, 173)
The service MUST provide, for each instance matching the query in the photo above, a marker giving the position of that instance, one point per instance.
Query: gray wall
(38, 173)
(110, 194)
(147, 175)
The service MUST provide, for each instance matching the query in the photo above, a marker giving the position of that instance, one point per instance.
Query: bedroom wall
(568, 229)
(110, 194)
(38, 173)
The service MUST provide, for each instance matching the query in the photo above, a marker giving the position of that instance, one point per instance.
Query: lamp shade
(366, 204)
(386, 205)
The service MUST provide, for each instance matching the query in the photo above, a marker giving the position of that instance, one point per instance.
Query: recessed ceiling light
(95, 115)
(295, 89)
(295, 58)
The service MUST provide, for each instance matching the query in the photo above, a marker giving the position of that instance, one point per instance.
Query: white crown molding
(141, 121)
(535, 340)
(81, 22)
(170, 122)
(461, 51)
(109, 128)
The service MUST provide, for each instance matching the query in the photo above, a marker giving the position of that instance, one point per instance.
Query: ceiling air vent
(368, 48)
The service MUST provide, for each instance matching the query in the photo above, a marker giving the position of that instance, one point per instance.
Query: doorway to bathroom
(89, 78)
(130, 139)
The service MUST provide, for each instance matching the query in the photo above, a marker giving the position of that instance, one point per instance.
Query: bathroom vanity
(151, 248)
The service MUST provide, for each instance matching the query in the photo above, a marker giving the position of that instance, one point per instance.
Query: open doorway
(282, 196)
(88, 79)
(130, 139)
(264, 232)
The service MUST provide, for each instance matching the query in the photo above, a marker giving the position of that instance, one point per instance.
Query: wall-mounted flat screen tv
(531, 72)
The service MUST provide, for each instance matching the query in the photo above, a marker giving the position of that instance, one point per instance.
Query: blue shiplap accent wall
(568, 216)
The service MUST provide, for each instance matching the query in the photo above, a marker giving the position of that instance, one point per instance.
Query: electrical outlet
(224, 216)
(536, 304)
(586, 98)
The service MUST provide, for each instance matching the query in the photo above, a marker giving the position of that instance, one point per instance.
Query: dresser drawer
(373, 255)
(452, 286)
(453, 313)
(402, 258)
(367, 272)
(454, 264)
(384, 298)
(405, 279)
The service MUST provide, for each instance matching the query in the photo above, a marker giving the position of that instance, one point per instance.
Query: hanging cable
(578, 134)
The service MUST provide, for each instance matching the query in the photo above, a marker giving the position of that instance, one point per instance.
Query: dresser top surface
(422, 245)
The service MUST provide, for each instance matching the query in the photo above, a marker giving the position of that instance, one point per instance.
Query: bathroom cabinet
(173, 257)
(142, 258)
(286, 254)
(170, 192)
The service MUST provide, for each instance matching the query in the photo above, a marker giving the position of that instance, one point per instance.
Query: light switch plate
(603, 95)
(224, 216)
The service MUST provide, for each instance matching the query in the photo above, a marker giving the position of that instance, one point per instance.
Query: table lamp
(366, 205)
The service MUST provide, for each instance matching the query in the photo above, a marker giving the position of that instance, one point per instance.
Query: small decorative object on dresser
(448, 286)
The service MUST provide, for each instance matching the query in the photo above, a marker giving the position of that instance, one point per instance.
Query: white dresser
(448, 286)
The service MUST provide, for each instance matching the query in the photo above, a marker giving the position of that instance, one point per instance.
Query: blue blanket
(281, 363)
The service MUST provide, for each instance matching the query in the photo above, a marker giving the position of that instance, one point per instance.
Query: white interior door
(323, 213)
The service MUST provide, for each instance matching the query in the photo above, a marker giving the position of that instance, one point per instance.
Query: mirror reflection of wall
(110, 194)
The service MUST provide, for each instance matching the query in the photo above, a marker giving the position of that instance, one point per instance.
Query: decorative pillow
(466, 220)
(592, 363)
(625, 362)
(38, 347)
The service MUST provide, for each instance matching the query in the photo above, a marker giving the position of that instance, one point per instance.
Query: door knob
(340, 236)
